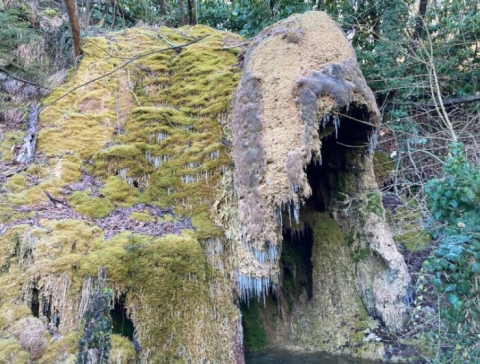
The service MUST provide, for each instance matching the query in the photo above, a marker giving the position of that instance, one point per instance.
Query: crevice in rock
(35, 304)
(122, 325)
(50, 313)
(296, 262)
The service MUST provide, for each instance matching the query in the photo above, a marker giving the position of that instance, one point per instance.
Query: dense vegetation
(421, 60)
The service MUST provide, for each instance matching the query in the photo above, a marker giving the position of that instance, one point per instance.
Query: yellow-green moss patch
(119, 192)
(7, 143)
(122, 351)
(142, 216)
(11, 352)
(406, 222)
(16, 183)
(151, 133)
(91, 206)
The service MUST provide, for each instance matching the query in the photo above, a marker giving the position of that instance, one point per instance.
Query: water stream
(273, 356)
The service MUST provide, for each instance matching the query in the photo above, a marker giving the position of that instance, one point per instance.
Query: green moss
(205, 227)
(122, 351)
(70, 168)
(166, 218)
(37, 171)
(374, 203)
(142, 216)
(64, 347)
(360, 254)
(327, 230)
(119, 192)
(90, 136)
(288, 290)
(406, 223)
(9, 313)
(9, 244)
(91, 206)
(16, 183)
(254, 334)
(167, 152)
(383, 167)
(7, 142)
(51, 13)
(11, 352)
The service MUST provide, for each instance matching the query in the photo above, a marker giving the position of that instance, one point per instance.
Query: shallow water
(288, 357)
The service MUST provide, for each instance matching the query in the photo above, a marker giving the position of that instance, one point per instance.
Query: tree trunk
(75, 29)
(192, 19)
(419, 26)
(163, 7)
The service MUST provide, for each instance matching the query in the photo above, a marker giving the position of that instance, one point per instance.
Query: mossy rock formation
(184, 177)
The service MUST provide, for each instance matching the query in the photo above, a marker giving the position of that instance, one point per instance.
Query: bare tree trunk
(192, 19)
(163, 7)
(77, 47)
(420, 25)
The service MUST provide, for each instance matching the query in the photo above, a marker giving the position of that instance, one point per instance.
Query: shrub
(454, 267)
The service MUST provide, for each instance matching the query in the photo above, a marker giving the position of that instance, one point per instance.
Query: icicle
(161, 137)
(278, 215)
(336, 124)
(296, 213)
(253, 286)
(122, 173)
(324, 121)
(289, 215)
(188, 178)
(271, 252)
(215, 154)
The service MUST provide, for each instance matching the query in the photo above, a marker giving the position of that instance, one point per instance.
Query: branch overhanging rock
(123, 66)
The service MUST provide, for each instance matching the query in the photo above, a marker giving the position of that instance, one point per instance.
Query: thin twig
(235, 46)
(166, 40)
(123, 66)
(22, 80)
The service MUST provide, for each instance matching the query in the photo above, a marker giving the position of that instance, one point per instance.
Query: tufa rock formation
(304, 130)
(194, 200)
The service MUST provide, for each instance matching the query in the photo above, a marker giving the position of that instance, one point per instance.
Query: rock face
(126, 171)
(304, 132)
(194, 199)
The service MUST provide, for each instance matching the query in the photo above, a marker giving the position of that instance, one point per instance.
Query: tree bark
(420, 25)
(77, 45)
(192, 19)
(163, 7)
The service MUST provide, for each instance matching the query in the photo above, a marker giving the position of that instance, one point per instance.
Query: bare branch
(455, 101)
(124, 65)
(22, 80)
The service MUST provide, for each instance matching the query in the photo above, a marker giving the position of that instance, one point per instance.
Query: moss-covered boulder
(126, 171)
(150, 168)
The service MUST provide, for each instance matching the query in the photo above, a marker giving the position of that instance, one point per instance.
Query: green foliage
(455, 198)
(248, 17)
(14, 31)
(455, 265)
